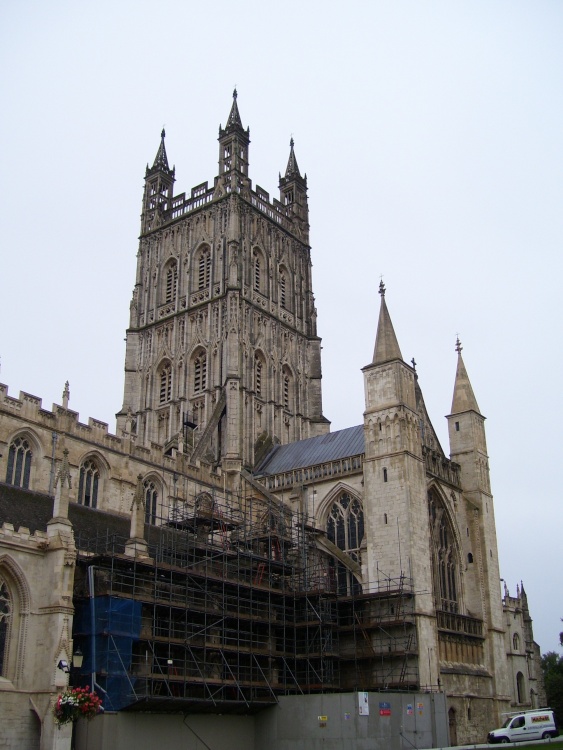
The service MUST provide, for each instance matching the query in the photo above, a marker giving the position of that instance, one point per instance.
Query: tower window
(457, 426)
(204, 270)
(165, 383)
(200, 372)
(227, 157)
(88, 484)
(384, 475)
(257, 273)
(515, 642)
(19, 463)
(171, 282)
(283, 290)
(258, 376)
(287, 389)
(469, 557)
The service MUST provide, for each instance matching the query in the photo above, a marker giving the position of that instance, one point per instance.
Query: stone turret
(468, 448)
(293, 194)
(159, 187)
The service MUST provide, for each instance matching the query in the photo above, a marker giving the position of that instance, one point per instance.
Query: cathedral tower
(468, 448)
(222, 351)
(395, 494)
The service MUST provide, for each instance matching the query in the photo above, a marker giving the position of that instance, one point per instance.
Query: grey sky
(431, 134)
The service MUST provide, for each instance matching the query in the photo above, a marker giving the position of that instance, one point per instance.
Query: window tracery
(204, 269)
(200, 371)
(151, 501)
(345, 529)
(88, 484)
(444, 556)
(171, 282)
(165, 393)
(19, 463)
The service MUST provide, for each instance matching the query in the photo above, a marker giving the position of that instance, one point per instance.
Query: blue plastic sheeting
(116, 624)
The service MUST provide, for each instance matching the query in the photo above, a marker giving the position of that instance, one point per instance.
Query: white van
(538, 724)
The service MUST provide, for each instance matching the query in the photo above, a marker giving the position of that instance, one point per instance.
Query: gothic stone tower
(395, 492)
(222, 337)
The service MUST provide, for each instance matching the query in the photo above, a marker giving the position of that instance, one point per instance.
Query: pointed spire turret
(292, 169)
(386, 344)
(159, 185)
(161, 160)
(293, 193)
(463, 398)
(234, 120)
(233, 150)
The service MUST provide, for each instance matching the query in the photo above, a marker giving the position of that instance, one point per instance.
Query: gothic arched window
(257, 272)
(151, 501)
(6, 610)
(444, 556)
(259, 372)
(88, 484)
(19, 463)
(345, 529)
(520, 687)
(204, 269)
(200, 371)
(165, 379)
(283, 288)
(287, 388)
(171, 282)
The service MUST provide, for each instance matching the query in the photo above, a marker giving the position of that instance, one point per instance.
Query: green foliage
(552, 667)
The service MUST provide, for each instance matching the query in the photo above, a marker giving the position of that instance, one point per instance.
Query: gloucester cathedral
(223, 557)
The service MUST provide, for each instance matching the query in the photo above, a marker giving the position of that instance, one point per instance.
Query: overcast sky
(431, 135)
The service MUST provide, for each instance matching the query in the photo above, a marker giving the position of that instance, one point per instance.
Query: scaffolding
(228, 604)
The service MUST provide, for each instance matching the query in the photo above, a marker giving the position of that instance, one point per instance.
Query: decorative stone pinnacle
(63, 474)
(291, 144)
(139, 496)
(163, 133)
(382, 288)
(235, 93)
(458, 346)
(66, 395)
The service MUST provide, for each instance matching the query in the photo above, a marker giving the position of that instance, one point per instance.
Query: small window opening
(283, 299)
(469, 558)
(457, 426)
(384, 475)
(385, 518)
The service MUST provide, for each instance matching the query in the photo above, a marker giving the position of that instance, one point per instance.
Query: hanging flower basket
(76, 703)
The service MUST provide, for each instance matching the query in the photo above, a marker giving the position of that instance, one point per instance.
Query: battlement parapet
(38, 540)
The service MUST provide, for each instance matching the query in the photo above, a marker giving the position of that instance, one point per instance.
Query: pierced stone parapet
(441, 467)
